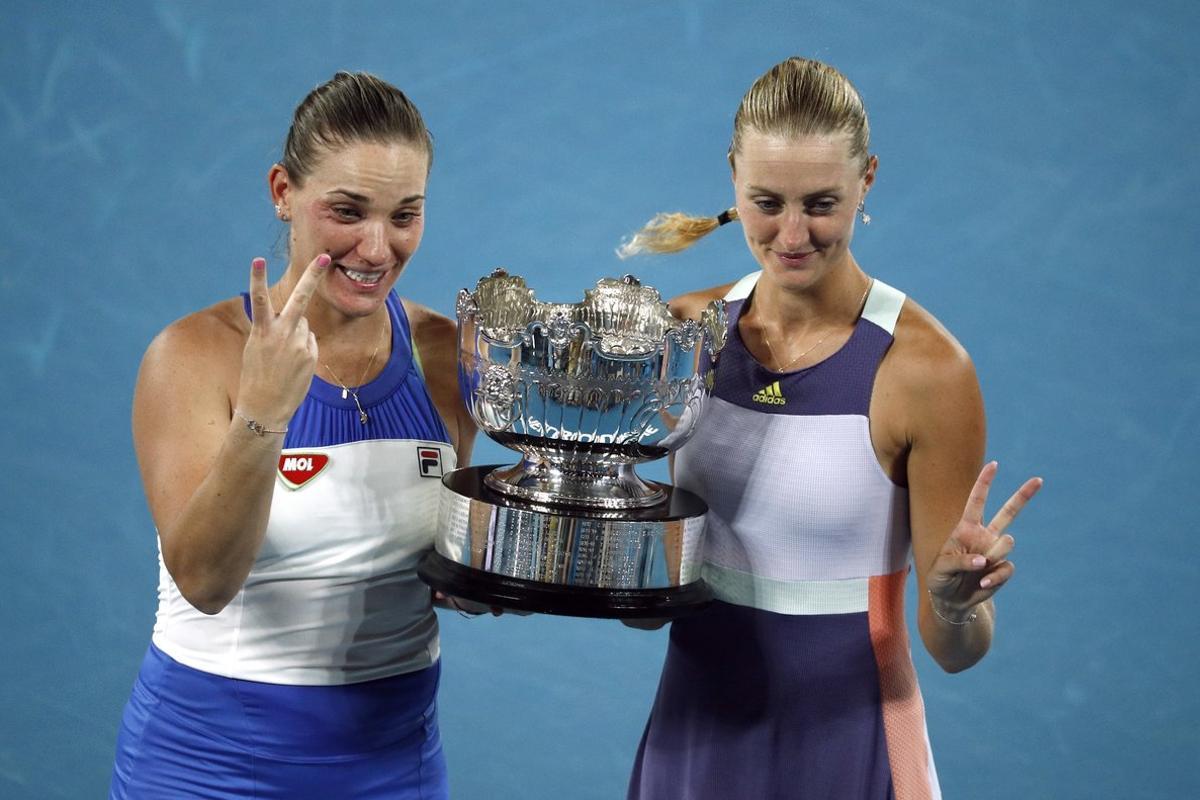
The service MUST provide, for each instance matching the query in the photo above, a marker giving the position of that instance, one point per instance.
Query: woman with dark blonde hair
(290, 442)
(845, 437)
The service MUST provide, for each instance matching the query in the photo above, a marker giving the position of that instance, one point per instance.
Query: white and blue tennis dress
(797, 682)
(319, 679)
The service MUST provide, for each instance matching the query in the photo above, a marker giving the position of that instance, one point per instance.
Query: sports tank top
(798, 680)
(800, 511)
(333, 596)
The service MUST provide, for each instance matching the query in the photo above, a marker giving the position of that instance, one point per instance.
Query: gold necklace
(348, 392)
(771, 350)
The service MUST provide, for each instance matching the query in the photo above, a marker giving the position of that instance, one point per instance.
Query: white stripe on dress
(787, 597)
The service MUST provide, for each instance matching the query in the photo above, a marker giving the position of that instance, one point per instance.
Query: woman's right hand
(280, 356)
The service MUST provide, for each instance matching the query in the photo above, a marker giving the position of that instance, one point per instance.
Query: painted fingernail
(978, 561)
(258, 264)
(986, 582)
(323, 260)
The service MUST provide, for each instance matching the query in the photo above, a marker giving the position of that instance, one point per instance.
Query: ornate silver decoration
(584, 391)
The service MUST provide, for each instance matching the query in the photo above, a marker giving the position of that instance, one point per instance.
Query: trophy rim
(561, 318)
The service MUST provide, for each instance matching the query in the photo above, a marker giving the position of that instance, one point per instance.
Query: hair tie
(724, 217)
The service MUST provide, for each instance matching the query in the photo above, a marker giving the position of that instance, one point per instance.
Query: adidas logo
(770, 395)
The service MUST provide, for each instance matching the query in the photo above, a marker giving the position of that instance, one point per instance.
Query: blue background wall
(1036, 192)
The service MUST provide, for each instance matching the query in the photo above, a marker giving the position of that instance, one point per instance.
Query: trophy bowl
(584, 392)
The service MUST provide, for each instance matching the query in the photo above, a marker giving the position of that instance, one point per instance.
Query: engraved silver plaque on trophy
(583, 392)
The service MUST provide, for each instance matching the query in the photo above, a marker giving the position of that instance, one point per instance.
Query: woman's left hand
(972, 565)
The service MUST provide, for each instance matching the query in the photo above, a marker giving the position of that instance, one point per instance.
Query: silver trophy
(584, 392)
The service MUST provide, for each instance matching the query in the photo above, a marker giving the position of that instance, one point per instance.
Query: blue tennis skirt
(191, 734)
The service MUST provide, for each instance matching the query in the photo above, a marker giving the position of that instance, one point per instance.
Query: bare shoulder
(692, 304)
(927, 374)
(210, 338)
(928, 353)
(436, 334)
(189, 376)
(926, 397)
(421, 316)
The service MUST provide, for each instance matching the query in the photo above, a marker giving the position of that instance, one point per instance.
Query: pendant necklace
(348, 392)
(771, 350)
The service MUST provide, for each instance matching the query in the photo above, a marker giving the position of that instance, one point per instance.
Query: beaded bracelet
(255, 426)
(933, 604)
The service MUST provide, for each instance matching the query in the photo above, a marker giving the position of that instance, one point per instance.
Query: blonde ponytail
(795, 98)
(670, 233)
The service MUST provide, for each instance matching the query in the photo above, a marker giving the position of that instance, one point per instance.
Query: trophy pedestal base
(573, 601)
(502, 551)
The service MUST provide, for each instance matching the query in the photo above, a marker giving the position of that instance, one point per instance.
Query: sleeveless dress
(319, 679)
(797, 682)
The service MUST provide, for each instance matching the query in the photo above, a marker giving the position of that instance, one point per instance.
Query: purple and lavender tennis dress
(319, 679)
(798, 681)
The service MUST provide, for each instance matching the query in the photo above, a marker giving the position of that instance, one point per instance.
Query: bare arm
(960, 562)
(209, 478)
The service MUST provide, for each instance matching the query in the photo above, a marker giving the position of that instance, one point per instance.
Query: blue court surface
(1037, 192)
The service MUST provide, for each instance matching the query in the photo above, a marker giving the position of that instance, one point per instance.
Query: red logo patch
(297, 469)
(429, 462)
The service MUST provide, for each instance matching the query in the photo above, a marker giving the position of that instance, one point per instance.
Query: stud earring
(862, 213)
(279, 212)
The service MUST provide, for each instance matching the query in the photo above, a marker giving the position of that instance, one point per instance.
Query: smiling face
(363, 204)
(796, 199)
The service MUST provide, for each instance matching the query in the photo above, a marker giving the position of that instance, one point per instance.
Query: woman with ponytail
(295, 653)
(845, 438)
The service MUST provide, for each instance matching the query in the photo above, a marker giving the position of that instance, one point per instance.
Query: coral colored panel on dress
(903, 709)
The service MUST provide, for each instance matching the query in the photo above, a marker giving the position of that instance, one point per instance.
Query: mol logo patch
(771, 395)
(429, 462)
(297, 469)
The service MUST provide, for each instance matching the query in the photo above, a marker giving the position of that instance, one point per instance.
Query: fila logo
(297, 469)
(770, 395)
(429, 461)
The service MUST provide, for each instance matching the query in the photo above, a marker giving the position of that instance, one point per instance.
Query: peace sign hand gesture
(281, 352)
(972, 565)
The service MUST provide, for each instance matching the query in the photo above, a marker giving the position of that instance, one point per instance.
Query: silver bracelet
(933, 604)
(257, 427)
